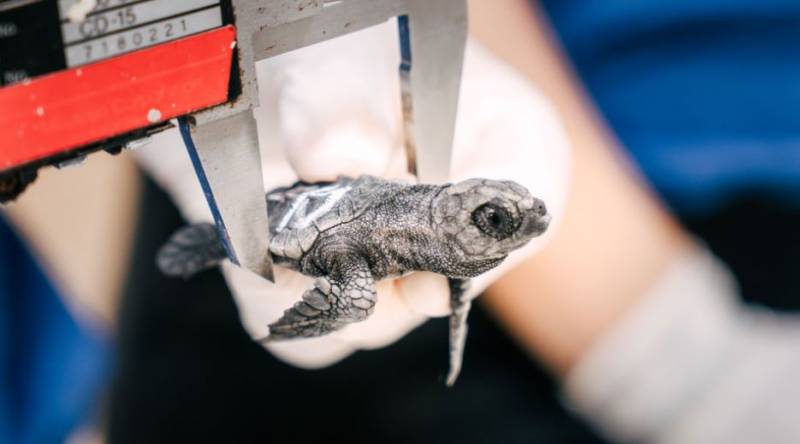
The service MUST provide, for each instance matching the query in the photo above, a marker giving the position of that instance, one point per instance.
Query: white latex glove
(691, 364)
(334, 108)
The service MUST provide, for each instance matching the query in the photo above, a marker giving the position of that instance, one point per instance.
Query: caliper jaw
(225, 155)
(433, 36)
(223, 141)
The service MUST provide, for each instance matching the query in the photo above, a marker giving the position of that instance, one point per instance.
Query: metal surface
(226, 158)
(434, 38)
(433, 35)
(335, 19)
(251, 17)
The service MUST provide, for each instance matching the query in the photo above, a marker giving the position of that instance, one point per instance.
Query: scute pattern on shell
(298, 214)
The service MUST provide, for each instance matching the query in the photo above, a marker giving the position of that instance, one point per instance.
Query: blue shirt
(51, 369)
(705, 95)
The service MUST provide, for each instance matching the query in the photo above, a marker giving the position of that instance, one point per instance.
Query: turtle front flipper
(458, 326)
(344, 296)
(191, 249)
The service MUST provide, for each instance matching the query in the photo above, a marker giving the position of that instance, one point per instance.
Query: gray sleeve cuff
(690, 364)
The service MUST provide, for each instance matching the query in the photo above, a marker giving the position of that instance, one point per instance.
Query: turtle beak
(537, 220)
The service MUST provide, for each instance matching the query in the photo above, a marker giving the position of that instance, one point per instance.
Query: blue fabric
(50, 369)
(705, 95)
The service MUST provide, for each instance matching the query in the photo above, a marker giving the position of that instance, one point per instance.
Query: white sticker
(98, 24)
(138, 34)
(65, 6)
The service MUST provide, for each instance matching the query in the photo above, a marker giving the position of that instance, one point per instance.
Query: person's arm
(643, 326)
(615, 239)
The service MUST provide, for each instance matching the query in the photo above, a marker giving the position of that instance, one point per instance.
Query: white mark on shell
(330, 201)
(40, 111)
(333, 194)
(153, 115)
(299, 203)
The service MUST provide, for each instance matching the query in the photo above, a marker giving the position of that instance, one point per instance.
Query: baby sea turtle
(353, 232)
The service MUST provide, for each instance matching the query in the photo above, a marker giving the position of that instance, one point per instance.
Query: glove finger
(426, 293)
(165, 160)
(391, 320)
(349, 148)
(261, 303)
(338, 115)
(312, 353)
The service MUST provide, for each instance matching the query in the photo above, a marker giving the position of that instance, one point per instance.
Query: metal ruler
(37, 37)
(81, 75)
(69, 87)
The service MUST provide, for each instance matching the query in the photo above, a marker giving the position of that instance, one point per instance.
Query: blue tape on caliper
(405, 43)
(186, 133)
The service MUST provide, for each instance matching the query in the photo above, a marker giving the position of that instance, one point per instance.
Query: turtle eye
(494, 220)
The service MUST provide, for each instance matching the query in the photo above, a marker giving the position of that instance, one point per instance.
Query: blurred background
(683, 115)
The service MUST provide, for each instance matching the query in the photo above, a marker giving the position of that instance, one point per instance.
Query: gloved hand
(334, 108)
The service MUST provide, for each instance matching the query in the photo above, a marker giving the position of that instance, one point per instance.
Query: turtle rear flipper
(458, 326)
(191, 249)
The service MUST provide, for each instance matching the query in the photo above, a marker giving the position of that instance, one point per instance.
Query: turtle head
(484, 220)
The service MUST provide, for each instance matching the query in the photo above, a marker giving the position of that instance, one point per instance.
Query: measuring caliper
(77, 76)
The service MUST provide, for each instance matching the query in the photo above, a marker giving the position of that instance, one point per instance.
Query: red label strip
(79, 106)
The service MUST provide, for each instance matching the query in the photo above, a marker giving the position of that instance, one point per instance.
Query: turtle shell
(299, 214)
